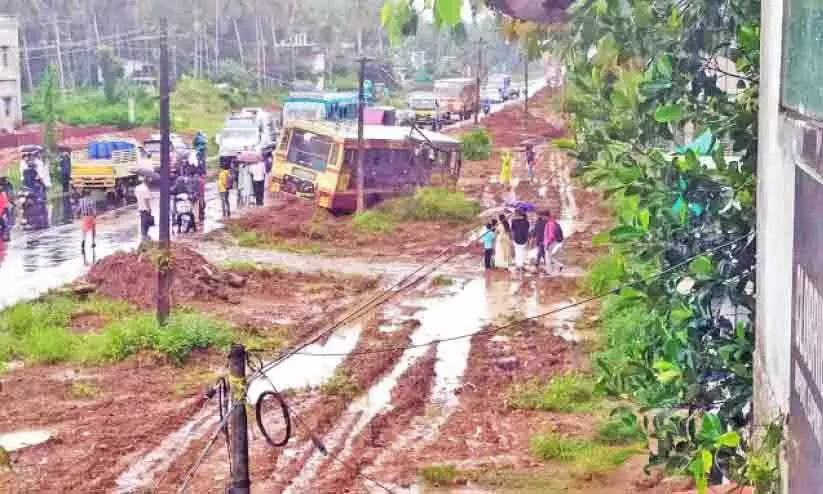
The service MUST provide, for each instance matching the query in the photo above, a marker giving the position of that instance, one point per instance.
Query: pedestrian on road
(530, 161)
(553, 240)
(224, 183)
(87, 212)
(488, 246)
(143, 195)
(245, 187)
(520, 236)
(506, 168)
(258, 177)
(503, 244)
(539, 236)
(65, 169)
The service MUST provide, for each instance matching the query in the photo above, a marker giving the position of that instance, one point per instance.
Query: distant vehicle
(554, 72)
(491, 95)
(251, 129)
(457, 97)
(503, 83)
(387, 115)
(178, 148)
(426, 108)
(109, 165)
(317, 161)
(320, 106)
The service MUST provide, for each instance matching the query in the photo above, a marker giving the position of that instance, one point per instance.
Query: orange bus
(318, 160)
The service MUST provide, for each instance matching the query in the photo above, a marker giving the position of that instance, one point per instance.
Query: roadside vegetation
(434, 204)
(47, 332)
(564, 393)
(476, 145)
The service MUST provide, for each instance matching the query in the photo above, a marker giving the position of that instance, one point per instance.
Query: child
(87, 211)
(488, 239)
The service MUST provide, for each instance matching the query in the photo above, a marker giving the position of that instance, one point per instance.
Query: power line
(538, 316)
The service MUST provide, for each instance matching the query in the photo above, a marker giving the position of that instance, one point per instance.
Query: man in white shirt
(258, 178)
(143, 195)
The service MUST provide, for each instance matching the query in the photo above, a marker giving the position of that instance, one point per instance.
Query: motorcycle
(35, 214)
(184, 213)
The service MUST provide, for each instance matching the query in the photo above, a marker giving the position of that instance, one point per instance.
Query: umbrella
(522, 206)
(250, 157)
(148, 173)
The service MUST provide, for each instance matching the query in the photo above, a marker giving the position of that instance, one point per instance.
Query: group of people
(249, 178)
(506, 242)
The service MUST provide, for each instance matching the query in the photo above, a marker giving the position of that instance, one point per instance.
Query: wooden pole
(238, 426)
(526, 84)
(361, 104)
(164, 269)
(477, 89)
(24, 42)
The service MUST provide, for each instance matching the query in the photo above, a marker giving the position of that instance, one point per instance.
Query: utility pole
(477, 89)
(361, 105)
(163, 270)
(238, 427)
(526, 84)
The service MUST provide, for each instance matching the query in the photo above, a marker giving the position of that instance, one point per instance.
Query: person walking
(200, 144)
(258, 177)
(553, 240)
(65, 169)
(520, 236)
(87, 212)
(224, 183)
(530, 161)
(539, 237)
(506, 168)
(503, 244)
(143, 195)
(488, 246)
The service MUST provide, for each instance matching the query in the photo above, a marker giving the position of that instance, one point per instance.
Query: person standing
(520, 236)
(530, 161)
(65, 170)
(488, 246)
(539, 236)
(143, 195)
(224, 182)
(87, 211)
(200, 144)
(553, 240)
(503, 244)
(506, 168)
(245, 188)
(258, 177)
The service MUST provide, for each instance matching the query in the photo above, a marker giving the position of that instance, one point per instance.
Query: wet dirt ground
(421, 380)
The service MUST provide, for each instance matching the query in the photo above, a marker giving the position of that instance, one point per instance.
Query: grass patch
(589, 457)
(438, 475)
(38, 332)
(435, 204)
(270, 340)
(248, 267)
(564, 393)
(620, 428)
(341, 384)
(376, 221)
(195, 378)
(441, 280)
(83, 390)
(256, 240)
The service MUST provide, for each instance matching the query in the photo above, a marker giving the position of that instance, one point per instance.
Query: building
(10, 92)
(789, 355)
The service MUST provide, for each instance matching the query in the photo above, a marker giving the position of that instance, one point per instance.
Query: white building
(10, 92)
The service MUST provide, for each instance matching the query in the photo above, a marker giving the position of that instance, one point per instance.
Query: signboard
(805, 445)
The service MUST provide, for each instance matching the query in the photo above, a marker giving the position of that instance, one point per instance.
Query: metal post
(361, 104)
(238, 427)
(163, 272)
(477, 92)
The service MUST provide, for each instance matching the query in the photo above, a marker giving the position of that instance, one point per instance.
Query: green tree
(49, 97)
(112, 71)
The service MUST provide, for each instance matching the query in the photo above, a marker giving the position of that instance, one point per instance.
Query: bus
(320, 106)
(318, 161)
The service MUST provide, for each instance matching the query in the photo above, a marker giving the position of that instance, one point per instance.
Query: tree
(112, 71)
(49, 97)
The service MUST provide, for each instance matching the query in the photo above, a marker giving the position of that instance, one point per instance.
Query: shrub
(564, 393)
(620, 428)
(187, 332)
(587, 456)
(46, 345)
(476, 145)
(341, 384)
(435, 204)
(374, 221)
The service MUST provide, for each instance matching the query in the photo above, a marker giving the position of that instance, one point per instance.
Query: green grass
(84, 390)
(249, 267)
(441, 280)
(587, 456)
(434, 204)
(564, 393)
(341, 384)
(38, 332)
(620, 428)
(439, 475)
(255, 240)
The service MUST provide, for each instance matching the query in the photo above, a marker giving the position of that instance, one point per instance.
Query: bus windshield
(308, 149)
(422, 103)
(304, 110)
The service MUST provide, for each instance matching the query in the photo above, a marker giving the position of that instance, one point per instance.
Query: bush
(586, 455)
(374, 221)
(565, 393)
(476, 145)
(438, 474)
(620, 428)
(341, 384)
(435, 204)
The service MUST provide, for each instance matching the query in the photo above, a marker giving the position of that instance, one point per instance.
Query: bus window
(309, 149)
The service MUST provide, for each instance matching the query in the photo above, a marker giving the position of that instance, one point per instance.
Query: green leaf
(644, 218)
(701, 267)
(730, 439)
(625, 233)
(448, 11)
(667, 372)
(564, 143)
(601, 238)
(668, 113)
(664, 66)
(681, 314)
(710, 428)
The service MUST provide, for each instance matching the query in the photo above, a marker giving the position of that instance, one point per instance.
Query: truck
(250, 129)
(179, 153)
(457, 97)
(503, 83)
(108, 165)
(426, 108)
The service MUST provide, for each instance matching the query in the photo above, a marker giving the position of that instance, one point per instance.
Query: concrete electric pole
(164, 268)
(361, 105)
